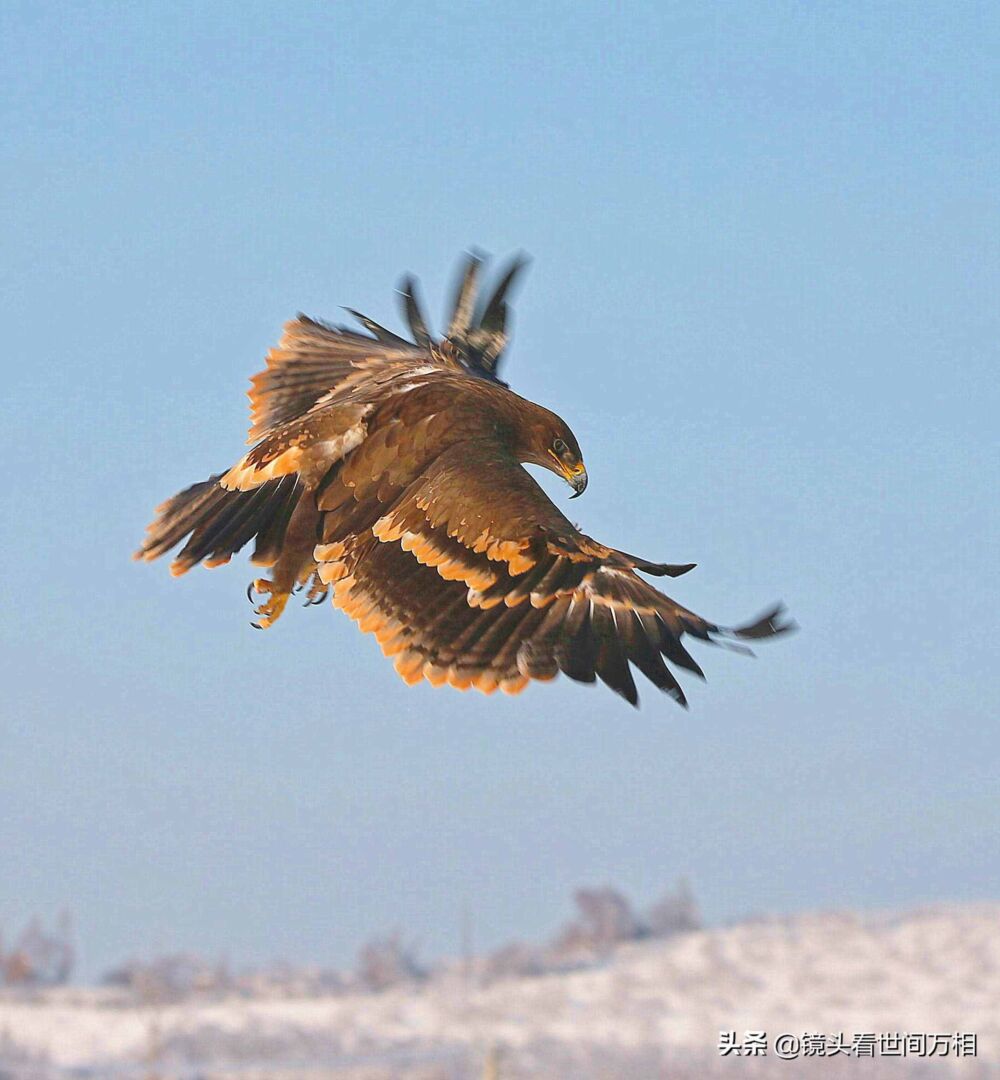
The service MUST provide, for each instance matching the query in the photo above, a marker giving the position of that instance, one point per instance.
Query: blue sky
(764, 294)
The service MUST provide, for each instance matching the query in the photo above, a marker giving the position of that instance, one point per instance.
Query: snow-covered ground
(653, 1008)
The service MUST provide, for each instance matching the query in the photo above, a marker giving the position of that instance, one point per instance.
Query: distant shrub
(385, 962)
(176, 976)
(605, 918)
(38, 957)
(516, 960)
(170, 977)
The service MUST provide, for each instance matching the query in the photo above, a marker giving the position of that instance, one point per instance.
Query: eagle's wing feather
(314, 361)
(472, 576)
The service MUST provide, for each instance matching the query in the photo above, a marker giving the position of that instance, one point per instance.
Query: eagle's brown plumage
(388, 474)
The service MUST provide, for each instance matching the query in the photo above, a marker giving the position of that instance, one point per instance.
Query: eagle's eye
(559, 446)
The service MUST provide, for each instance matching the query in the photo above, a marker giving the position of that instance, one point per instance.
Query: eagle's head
(546, 440)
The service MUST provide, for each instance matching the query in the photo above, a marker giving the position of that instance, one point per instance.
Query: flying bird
(387, 473)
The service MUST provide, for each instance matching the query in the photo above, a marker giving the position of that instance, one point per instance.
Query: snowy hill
(652, 1008)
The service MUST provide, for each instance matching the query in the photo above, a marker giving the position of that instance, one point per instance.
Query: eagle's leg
(294, 566)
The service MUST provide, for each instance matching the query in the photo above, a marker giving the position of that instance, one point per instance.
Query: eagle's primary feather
(388, 474)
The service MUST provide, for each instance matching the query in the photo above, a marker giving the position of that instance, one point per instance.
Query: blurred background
(763, 293)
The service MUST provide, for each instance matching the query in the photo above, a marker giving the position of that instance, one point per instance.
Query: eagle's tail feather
(219, 522)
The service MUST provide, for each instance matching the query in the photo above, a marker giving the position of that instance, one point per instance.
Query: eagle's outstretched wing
(314, 361)
(317, 361)
(470, 575)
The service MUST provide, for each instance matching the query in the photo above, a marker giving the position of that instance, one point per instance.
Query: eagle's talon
(318, 591)
(271, 609)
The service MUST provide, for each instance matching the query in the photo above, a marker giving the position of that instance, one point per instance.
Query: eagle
(388, 473)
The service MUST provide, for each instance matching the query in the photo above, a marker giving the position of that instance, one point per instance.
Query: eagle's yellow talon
(270, 610)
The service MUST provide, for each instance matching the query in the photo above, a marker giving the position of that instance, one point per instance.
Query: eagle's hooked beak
(575, 475)
(578, 481)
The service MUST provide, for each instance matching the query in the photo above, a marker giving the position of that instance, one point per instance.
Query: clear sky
(764, 294)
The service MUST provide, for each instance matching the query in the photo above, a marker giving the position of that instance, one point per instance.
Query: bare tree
(676, 912)
(605, 917)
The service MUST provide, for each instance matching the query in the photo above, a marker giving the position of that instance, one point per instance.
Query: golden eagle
(388, 472)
